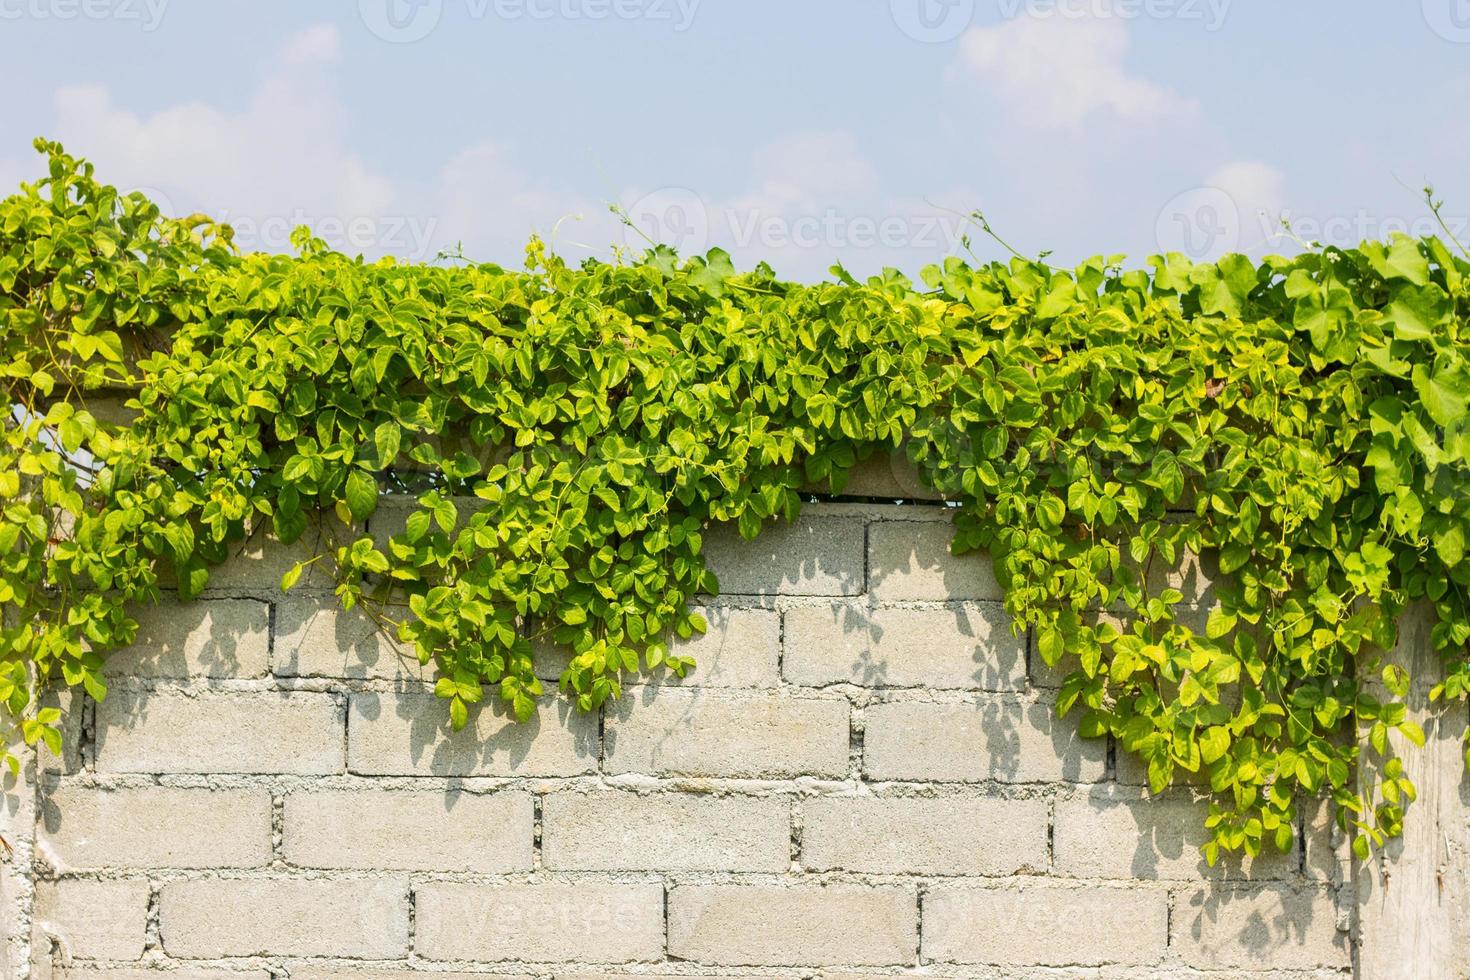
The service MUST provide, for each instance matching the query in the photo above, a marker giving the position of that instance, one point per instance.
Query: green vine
(1303, 419)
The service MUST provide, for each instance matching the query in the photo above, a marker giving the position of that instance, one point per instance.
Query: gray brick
(317, 638)
(257, 565)
(911, 560)
(298, 733)
(939, 836)
(84, 828)
(813, 556)
(544, 923)
(1118, 833)
(665, 831)
(1035, 923)
(93, 920)
(210, 638)
(181, 973)
(1262, 927)
(710, 733)
(310, 972)
(410, 831)
(967, 646)
(763, 925)
(995, 738)
(742, 648)
(408, 735)
(215, 918)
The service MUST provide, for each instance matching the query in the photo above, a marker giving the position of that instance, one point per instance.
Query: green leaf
(386, 439)
(361, 494)
(1418, 312)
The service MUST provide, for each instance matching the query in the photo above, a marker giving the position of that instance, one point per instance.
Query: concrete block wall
(864, 778)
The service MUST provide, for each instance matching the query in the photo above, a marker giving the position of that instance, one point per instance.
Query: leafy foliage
(1303, 419)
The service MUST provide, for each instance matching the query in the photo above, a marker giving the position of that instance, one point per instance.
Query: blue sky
(802, 132)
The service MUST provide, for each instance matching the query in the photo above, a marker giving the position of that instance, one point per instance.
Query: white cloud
(1055, 72)
(283, 159)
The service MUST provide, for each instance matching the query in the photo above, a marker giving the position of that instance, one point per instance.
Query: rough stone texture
(968, 646)
(840, 925)
(410, 831)
(1269, 927)
(1041, 923)
(910, 560)
(547, 923)
(210, 638)
(863, 736)
(158, 827)
(213, 918)
(317, 639)
(742, 648)
(183, 973)
(665, 832)
(93, 920)
(939, 836)
(1122, 833)
(408, 735)
(1010, 740)
(813, 556)
(298, 733)
(708, 733)
(142, 973)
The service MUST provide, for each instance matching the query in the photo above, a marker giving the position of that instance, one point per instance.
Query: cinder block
(542, 923)
(1000, 738)
(85, 828)
(296, 733)
(216, 918)
(318, 638)
(258, 564)
(182, 973)
(741, 649)
(1032, 922)
(208, 638)
(968, 646)
(410, 831)
(807, 926)
(93, 920)
(1259, 927)
(664, 832)
(934, 836)
(409, 735)
(1118, 833)
(911, 560)
(812, 556)
(307, 972)
(710, 733)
